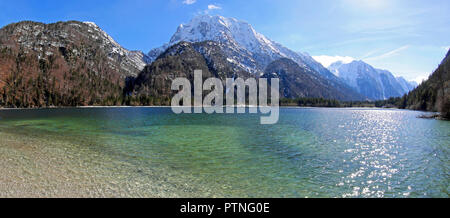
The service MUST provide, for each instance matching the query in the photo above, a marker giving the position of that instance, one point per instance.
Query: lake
(152, 152)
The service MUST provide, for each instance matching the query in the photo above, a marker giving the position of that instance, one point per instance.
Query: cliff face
(62, 64)
(433, 94)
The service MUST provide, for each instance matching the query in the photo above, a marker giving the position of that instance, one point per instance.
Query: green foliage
(310, 102)
(397, 102)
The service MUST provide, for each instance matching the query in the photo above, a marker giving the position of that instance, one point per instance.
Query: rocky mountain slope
(248, 49)
(64, 63)
(180, 60)
(296, 82)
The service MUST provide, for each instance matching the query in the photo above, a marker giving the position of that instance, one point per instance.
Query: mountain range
(76, 63)
(251, 51)
(374, 83)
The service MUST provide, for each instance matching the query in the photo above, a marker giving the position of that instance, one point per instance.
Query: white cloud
(189, 2)
(420, 79)
(214, 7)
(446, 48)
(326, 61)
(388, 54)
(210, 8)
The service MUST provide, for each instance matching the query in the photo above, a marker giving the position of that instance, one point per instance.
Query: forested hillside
(431, 95)
(62, 64)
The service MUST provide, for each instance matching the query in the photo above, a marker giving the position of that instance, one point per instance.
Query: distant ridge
(374, 83)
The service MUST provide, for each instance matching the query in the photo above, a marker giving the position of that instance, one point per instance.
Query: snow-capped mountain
(371, 82)
(251, 51)
(241, 42)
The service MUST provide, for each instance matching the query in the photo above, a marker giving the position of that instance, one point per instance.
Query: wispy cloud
(211, 7)
(370, 53)
(388, 54)
(189, 2)
(214, 7)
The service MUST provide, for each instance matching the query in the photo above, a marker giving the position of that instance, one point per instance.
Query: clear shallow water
(151, 152)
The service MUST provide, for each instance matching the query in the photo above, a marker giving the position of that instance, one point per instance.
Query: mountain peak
(216, 18)
(239, 38)
(217, 28)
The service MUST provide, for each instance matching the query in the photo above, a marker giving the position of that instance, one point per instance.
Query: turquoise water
(151, 152)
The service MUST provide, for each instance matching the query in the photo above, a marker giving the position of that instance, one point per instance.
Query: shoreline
(238, 106)
(70, 107)
(88, 107)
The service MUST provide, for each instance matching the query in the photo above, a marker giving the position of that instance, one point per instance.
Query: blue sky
(407, 37)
